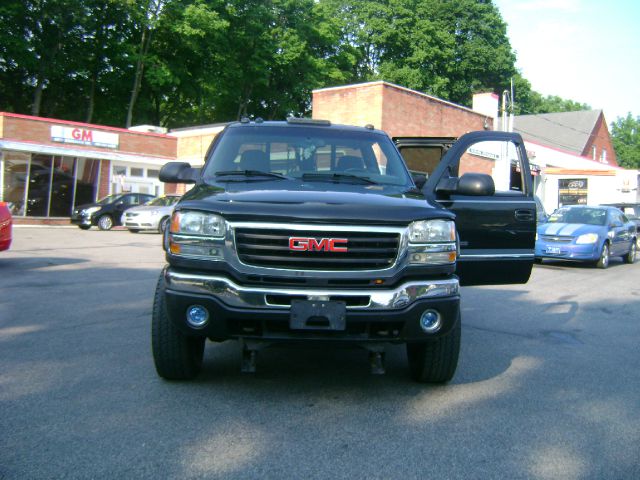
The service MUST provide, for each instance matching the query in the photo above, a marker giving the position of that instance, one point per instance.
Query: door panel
(496, 230)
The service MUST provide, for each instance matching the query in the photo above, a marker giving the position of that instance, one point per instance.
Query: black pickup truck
(304, 231)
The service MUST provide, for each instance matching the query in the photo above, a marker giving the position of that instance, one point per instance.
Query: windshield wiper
(337, 177)
(251, 173)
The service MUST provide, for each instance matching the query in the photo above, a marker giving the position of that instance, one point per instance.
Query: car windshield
(108, 199)
(589, 216)
(306, 153)
(162, 201)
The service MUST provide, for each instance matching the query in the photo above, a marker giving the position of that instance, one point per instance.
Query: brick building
(48, 166)
(399, 111)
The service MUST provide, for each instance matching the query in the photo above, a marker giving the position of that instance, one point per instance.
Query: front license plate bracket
(318, 315)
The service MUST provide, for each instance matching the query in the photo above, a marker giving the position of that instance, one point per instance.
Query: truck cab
(305, 231)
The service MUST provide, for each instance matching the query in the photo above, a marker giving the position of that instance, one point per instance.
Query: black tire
(134, 230)
(630, 257)
(84, 227)
(537, 260)
(435, 361)
(105, 222)
(605, 257)
(176, 356)
(162, 226)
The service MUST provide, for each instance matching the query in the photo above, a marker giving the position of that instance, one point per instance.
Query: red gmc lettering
(302, 244)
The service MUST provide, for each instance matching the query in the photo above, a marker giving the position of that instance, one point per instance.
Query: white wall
(617, 185)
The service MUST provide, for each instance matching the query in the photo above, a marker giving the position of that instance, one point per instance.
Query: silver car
(153, 215)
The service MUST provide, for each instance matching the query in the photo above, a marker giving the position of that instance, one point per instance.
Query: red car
(5, 226)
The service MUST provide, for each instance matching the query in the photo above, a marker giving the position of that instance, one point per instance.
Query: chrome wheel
(105, 222)
(604, 257)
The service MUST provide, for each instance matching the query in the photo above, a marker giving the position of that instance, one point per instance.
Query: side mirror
(477, 184)
(179, 172)
(472, 184)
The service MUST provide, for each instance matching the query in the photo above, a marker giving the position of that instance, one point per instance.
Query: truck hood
(312, 202)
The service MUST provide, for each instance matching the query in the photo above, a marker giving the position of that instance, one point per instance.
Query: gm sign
(84, 136)
(305, 244)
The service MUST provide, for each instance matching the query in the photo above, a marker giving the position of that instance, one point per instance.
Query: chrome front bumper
(238, 296)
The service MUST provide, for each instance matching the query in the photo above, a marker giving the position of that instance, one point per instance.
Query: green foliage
(447, 49)
(625, 134)
(187, 62)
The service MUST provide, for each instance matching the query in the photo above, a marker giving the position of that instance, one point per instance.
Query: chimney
(487, 104)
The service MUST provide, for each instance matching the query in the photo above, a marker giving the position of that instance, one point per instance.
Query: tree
(447, 49)
(147, 18)
(625, 135)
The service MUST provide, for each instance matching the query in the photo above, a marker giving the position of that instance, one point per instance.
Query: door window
(499, 159)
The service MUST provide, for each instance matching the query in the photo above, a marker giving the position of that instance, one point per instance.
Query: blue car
(587, 234)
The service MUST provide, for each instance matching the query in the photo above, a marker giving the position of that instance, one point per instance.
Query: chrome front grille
(270, 247)
(557, 238)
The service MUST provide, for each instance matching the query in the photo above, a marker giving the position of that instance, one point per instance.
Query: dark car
(5, 226)
(107, 212)
(587, 234)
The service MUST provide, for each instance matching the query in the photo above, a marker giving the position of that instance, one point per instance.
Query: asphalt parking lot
(548, 385)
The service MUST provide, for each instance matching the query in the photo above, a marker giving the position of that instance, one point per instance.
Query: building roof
(565, 130)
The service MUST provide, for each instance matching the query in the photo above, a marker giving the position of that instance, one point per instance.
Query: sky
(582, 50)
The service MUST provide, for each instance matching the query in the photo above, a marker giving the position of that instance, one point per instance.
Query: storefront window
(87, 173)
(38, 185)
(15, 166)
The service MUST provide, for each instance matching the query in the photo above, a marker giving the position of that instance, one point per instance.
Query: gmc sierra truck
(305, 231)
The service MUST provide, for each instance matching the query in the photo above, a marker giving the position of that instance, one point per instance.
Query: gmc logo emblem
(303, 244)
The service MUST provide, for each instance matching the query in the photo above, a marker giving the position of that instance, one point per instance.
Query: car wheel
(603, 262)
(162, 226)
(105, 222)
(435, 361)
(84, 227)
(630, 257)
(176, 356)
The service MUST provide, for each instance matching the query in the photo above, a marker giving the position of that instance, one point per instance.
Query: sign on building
(83, 136)
(572, 191)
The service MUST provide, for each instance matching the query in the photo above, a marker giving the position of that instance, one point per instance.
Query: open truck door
(484, 178)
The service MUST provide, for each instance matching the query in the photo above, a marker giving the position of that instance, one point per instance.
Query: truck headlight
(426, 231)
(197, 223)
(432, 242)
(197, 234)
(587, 238)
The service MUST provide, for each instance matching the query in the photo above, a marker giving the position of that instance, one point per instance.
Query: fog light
(197, 316)
(430, 321)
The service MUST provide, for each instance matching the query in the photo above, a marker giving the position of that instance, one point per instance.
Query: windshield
(162, 201)
(307, 153)
(589, 216)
